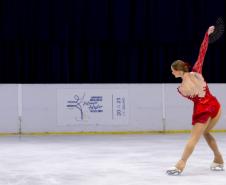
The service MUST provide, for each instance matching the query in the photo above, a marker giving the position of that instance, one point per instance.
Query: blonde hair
(180, 65)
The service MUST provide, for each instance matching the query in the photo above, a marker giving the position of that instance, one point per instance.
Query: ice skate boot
(173, 171)
(217, 167)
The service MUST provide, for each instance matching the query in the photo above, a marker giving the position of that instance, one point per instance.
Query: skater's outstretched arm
(202, 51)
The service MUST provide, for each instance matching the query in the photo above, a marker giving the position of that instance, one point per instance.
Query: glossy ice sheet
(104, 160)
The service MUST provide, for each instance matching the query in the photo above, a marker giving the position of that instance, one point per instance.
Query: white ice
(105, 160)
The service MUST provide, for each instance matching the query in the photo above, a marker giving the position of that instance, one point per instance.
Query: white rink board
(146, 107)
(9, 121)
(44, 107)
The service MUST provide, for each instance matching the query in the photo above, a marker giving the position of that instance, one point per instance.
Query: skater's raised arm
(202, 51)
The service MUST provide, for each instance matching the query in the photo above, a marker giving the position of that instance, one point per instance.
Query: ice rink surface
(105, 160)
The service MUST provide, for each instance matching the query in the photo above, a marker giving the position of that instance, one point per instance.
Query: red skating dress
(207, 106)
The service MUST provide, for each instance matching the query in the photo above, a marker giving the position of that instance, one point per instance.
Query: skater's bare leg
(211, 140)
(197, 131)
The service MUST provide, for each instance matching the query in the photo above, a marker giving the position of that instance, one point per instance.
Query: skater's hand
(211, 30)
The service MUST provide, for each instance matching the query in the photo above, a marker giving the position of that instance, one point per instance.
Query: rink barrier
(104, 133)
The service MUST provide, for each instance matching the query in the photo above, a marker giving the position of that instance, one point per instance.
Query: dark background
(106, 41)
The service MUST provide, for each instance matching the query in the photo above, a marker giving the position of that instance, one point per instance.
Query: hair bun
(187, 64)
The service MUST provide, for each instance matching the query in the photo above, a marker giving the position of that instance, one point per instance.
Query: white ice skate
(217, 167)
(173, 171)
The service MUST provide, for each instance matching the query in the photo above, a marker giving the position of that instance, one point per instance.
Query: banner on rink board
(92, 106)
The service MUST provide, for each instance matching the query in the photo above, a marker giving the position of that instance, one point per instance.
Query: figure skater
(206, 111)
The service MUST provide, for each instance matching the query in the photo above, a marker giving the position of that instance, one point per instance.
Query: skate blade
(217, 167)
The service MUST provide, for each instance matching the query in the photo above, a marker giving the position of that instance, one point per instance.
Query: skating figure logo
(94, 104)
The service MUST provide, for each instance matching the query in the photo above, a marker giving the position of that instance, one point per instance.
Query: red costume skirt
(205, 109)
